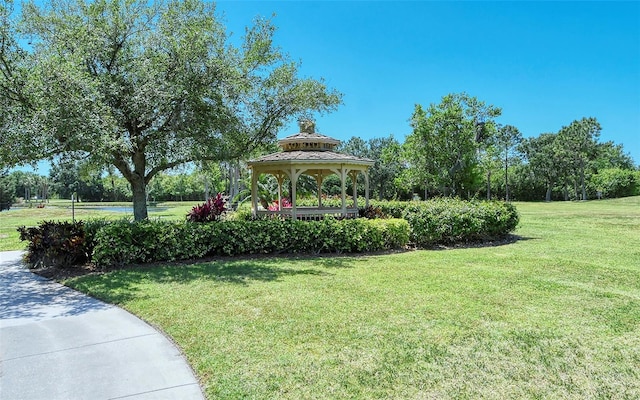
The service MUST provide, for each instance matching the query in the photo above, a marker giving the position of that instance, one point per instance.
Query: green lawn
(554, 315)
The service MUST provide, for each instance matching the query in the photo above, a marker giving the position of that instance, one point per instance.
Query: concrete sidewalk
(56, 343)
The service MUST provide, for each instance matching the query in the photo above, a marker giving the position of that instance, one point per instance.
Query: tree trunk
(584, 186)
(235, 180)
(506, 174)
(137, 181)
(139, 190)
(548, 195)
(489, 185)
(113, 188)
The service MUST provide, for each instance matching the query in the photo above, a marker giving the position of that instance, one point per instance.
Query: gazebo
(309, 153)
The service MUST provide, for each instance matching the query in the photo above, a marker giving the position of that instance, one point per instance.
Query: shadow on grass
(240, 272)
(507, 240)
(123, 285)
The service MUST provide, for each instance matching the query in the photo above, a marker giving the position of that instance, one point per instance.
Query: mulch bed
(61, 274)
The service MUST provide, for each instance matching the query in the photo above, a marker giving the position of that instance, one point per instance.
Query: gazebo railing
(311, 213)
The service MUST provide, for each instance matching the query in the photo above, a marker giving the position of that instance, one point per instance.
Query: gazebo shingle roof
(309, 136)
(310, 156)
(308, 146)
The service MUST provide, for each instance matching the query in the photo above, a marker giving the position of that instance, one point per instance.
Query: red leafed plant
(209, 211)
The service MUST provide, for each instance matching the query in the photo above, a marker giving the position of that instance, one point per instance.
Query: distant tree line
(69, 178)
(456, 148)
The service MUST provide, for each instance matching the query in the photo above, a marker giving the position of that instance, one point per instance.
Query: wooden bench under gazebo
(309, 153)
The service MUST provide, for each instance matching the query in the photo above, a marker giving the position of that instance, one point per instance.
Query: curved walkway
(56, 343)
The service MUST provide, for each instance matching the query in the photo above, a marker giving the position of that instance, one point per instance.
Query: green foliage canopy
(544, 158)
(386, 152)
(7, 190)
(579, 141)
(443, 148)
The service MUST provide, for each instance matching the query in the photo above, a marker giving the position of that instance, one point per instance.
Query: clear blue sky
(544, 63)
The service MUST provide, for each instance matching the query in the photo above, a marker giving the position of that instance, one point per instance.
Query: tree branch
(122, 166)
(164, 166)
(159, 132)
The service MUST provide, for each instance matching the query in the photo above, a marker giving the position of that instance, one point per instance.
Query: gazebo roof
(310, 156)
(309, 147)
(308, 137)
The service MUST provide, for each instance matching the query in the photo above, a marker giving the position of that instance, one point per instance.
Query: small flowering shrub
(209, 211)
(285, 204)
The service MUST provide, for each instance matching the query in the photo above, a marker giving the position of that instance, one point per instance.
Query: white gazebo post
(254, 192)
(294, 189)
(319, 179)
(280, 179)
(366, 188)
(354, 181)
(343, 187)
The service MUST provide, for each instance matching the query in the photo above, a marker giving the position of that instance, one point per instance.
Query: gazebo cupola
(313, 154)
(308, 139)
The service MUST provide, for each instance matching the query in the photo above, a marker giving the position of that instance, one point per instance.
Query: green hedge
(125, 242)
(423, 224)
(393, 209)
(450, 220)
(446, 221)
(614, 182)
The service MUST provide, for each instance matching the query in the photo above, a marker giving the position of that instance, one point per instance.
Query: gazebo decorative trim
(309, 153)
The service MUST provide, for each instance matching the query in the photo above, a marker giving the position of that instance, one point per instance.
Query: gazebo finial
(307, 125)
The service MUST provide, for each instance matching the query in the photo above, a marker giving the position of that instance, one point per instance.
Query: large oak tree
(143, 86)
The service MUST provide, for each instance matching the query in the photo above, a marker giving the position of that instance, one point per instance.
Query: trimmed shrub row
(446, 221)
(126, 242)
(116, 243)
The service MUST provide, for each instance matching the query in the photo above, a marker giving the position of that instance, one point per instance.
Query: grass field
(554, 315)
